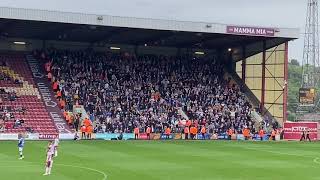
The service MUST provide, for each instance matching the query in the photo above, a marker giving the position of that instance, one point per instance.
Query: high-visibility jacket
(148, 131)
(136, 130)
(186, 130)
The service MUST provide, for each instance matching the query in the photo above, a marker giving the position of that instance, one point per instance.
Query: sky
(270, 13)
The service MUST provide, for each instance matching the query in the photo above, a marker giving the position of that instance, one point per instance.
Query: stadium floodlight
(199, 53)
(19, 42)
(115, 48)
(229, 49)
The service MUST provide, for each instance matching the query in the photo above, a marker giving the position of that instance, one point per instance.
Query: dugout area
(256, 57)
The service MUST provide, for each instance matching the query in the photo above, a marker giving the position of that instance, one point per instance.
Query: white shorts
(20, 149)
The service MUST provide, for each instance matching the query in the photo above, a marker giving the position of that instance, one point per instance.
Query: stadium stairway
(28, 106)
(182, 113)
(47, 95)
(257, 117)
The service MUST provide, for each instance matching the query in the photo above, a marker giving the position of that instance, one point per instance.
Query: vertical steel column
(263, 80)
(285, 90)
(244, 64)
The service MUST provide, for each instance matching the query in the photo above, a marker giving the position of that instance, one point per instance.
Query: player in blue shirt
(21, 145)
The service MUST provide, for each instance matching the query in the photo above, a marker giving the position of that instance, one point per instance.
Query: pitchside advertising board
(293, 130)
(32, 136)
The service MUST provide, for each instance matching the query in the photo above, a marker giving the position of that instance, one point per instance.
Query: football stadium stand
(126, 73)
(22, 108)
(124, 91)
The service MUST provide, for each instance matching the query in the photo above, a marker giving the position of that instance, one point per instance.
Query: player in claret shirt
(49, 160)
(56, 145)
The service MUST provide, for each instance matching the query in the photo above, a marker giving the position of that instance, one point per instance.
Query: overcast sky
(274, 13)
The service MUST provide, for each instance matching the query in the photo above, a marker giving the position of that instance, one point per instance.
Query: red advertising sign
(293, 130)
(48, 136)
(252, 31)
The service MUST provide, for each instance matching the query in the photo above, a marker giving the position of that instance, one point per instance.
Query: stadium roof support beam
(269, 44)
(285, 93)
(244, 62)
(263, 81)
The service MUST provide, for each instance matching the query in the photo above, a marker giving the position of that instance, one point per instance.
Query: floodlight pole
(310, 61)
(311, 47)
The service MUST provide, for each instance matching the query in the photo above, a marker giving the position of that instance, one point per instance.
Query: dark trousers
(273, 138)
(76, 126)
(89, 135)
(308, 137)
(83, 135)
(305, 137)
(148, 136)
(136, 136)
(229, 137)
(203, 136)
(186, 136)
(192, 136)
(261, 138)
(167, 136)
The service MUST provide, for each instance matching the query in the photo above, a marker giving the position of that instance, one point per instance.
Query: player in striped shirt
(56, 145)
(49, 160)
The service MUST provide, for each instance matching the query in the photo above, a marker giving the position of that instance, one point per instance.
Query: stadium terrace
(141, 84)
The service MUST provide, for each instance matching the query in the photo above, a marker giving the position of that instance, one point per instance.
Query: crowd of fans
(121, 91)
(7, 111)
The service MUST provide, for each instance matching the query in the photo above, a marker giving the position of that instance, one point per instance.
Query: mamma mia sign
(251, 31)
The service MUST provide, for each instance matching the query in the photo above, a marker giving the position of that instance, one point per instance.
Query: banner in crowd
(293, 130)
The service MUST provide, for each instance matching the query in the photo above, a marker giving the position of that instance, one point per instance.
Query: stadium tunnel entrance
(257, 63)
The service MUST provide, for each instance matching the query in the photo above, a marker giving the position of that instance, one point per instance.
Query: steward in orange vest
(193, 132)
(261, 134)
(273, 135)
(83, 131)
(136, 133)
(186, 132)
(168, 132)
(148, 131)
(203, 132)
(230, 133)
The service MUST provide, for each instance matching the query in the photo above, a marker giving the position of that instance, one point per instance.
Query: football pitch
(164, 160)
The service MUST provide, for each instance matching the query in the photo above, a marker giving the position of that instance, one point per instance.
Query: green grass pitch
(164, 160)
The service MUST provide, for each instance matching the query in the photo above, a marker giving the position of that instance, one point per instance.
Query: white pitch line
(315, 160)
(90, 169)
(105, 176)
